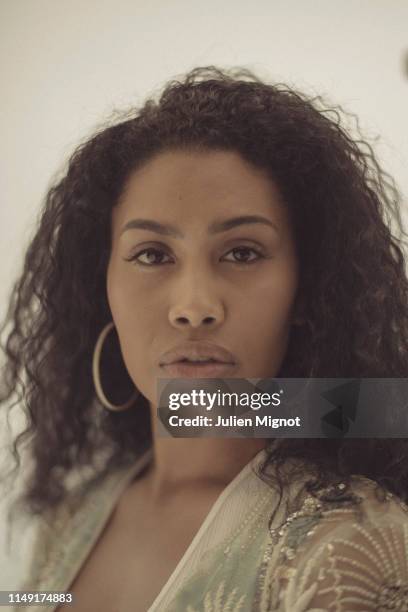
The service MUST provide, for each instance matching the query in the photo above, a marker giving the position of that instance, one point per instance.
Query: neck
(182, 462)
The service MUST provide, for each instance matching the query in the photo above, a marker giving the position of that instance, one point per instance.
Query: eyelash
(155, 250)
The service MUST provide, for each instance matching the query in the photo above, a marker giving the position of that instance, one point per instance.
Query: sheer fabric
(340, 550)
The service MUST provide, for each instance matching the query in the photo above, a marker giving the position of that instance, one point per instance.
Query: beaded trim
(393, 597)
(306, 519)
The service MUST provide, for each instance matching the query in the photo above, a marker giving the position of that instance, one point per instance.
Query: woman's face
(234, 287)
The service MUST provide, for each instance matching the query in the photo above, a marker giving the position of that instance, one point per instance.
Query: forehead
(198, 185)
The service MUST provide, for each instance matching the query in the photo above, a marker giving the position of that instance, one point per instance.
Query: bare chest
(119, 577)
(133, 560)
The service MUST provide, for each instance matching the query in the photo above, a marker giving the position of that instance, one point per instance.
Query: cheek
(132, 325)
(129, 312)
(270, 314)
(124, 297)
(136, 317)
(271, 299)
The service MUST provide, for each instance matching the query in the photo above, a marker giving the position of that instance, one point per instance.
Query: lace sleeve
(354, 567)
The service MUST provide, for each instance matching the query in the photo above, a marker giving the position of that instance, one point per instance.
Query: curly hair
(353, 282)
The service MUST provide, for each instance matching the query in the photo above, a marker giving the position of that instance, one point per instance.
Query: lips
(183, 369)
(190, 351)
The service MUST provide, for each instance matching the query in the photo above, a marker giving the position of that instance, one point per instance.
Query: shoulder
(343, 549)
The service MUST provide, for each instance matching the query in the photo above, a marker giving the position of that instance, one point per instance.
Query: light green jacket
(336, 550)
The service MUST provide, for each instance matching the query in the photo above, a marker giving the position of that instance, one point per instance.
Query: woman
(236, 220)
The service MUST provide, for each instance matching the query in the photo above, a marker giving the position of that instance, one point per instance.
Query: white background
(66, 65)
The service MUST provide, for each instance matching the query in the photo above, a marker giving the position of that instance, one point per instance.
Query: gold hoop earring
(96, 375)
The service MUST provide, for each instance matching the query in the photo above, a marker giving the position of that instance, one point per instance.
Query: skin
(197, 289)
(167, 301)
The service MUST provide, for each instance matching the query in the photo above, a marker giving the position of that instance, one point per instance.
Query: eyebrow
(214, 228)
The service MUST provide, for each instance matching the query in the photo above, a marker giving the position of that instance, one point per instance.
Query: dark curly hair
(353, 282)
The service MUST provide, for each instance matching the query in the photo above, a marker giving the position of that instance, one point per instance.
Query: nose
(196, 304)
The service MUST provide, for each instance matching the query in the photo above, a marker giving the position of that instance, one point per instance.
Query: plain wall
(67, 65)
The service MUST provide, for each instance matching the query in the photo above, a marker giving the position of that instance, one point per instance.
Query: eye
(151, 253)
(245, 250)
(148, 252)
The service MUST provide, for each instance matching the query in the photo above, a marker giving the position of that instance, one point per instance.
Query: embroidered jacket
(341, 550)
